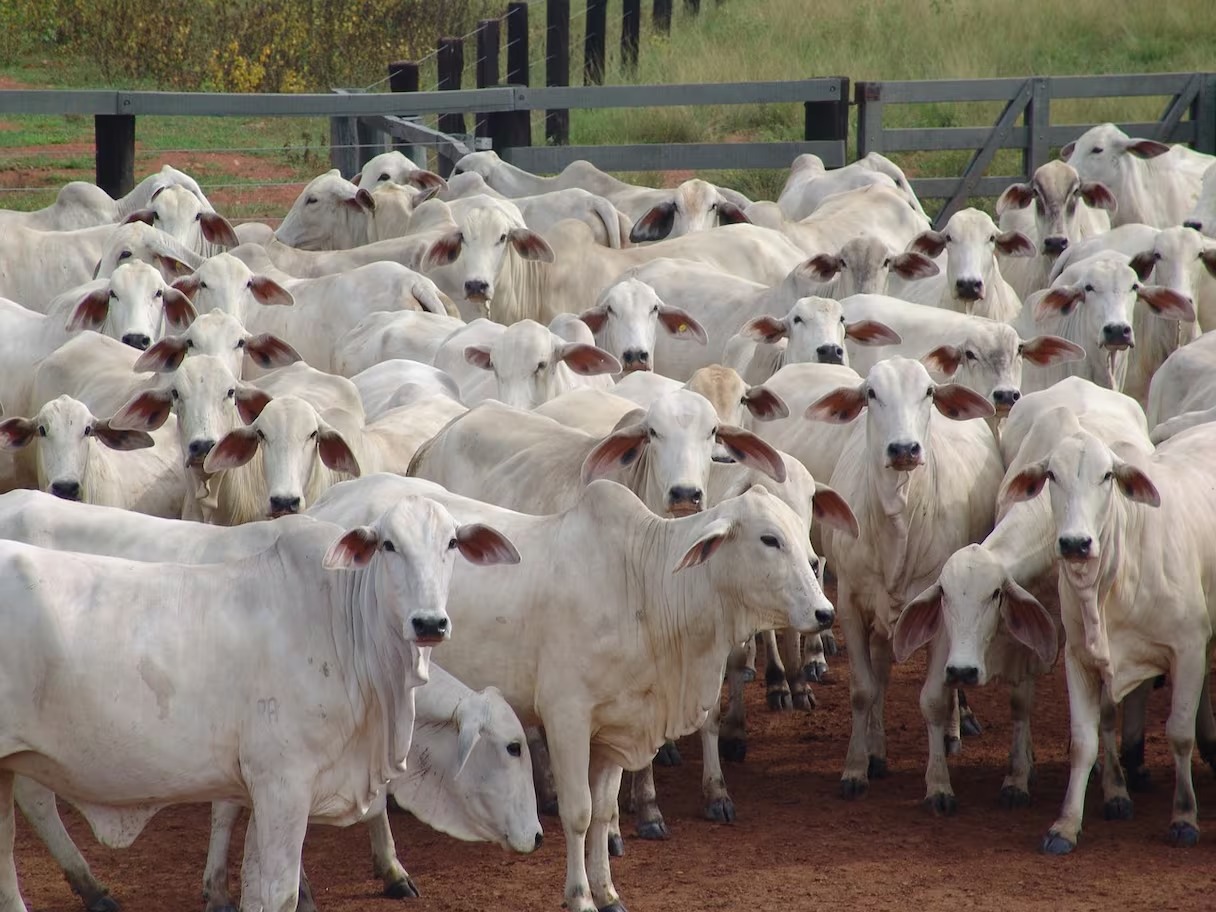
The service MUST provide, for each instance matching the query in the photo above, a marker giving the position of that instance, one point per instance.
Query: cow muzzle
(1075, 547)
(904, 457)
(830, 354)
(430, 631)
(635, 360)
(1054, 246)
(962, 675)
(1117, 337)
(1005, 399)
(969, 289)
(283, 506)
(477, 291)
(197, 451)
(66, 490)
(685, 500)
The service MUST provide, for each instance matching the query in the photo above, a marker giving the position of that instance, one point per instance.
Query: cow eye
(1096, 150)
(314, 435)
(113, 295)
(515, 749)
(947, 239)
(261, 435)
(770, 541)
(797, 320)
(870, 394)
(1108, 476)
(654, 435)
(42, 430)
(173, 393)
(232, 393)
(815, 565)
(928, 392)
(992, 240)
(156, 216)
(198, 217)
(240, 343)
(1050, 475)
(503, 239)
(202, 284)
(159, 294)
(608, 311)
(996, 594)
(1135, 286)
(310, 200)
(1089, 288)
(88, 431)
(452, 544)
(886, 264)
(389, 546)
(541, 366)
(971, 356)
(125, 255)
(384, 177)
(249, 284)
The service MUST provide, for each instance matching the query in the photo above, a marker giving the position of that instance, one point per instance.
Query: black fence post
(595, 42)
(557, 67)
(487, 66)
(662, 16)
(631, 24)
(828, 121)
(404, 76)
(114, 135)
(451, 65)
(516, 129)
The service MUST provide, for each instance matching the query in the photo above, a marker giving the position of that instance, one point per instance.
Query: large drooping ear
(429, 193)
(1135, 485)
(170, 267)
(619, 448)
(1025, 485)
(705, 546)
(16, 433)
(931, 243)
(840, 406)
(235, 449)
(267, 351)
(912, 265)
(822, 267)
(121, 439)
(269, 292)
(1166, 303)
(1029, 621)
(871, 332)
(748, 449)
(1143, 264)
(944, 360)
(730, 214)
(1098, 196)
(188, 285)
(147, 216)
(1058, 302)
(146, 412)
(918, 623)
(483, 545)
(595, 317)
(250, 402)
(766, 329)
(426, 180)
(829, 508)
(1045, 350)
(336, 453)
(91, 311)
(353, 550)
(655, 224)
(1145, 148)
(443, 251)
(179, 312)
(531, 246)
(681, 324)
(1067, 150)
(764, 404)
(1016, 196)
(362, 202)
(958, 402)
(164, 356)
(466, 740)
(1014, 243)
(479, 356)
(587, 360)
(217, 229)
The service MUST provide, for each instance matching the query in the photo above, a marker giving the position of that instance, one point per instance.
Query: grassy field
(255, 167)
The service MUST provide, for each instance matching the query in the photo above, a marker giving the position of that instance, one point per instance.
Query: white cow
(394, 167)
(864, 265)
(626, 320)
(1202, 216)
(331, 213)
(1186, 382)
(381, 384)
(810, 183)
(695, 205)
(385, 336)
(140, 241)
(922, 487)
(178, 212)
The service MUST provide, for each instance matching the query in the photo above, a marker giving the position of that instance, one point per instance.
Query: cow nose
(636, 359)
(824, 617)
(429, 630)
(68, 490)
(280, 505)
(1117, 335)
(830, 354)
(685, 496)
(1055, 245)
(1005, 398)
(904, 455)
(962, 674)
(475, 288)
(540, 837)
(970, 289)
(1191, 223)
(137, 340)
(200, 448)
(1075, 546)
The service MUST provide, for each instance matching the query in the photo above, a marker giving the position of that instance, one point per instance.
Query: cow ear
(1146, 148)
(1029, 622)
(730, 214)
(166, 355)
(353, 550)
(171, 268)
(840, 406)
(235, 449)
(914, 265)
(92, 310)
(764, 404)
(1135, 485)
(1016, 196)
(930, 243)
(443, 251)
(147, 216)
(1045, 350)
(426, 181)
(1143, 264)
(1026, 485)
(269, 292)
(121, 439)
(822, 267)
(269, 351)
(250, 402)
(944, 360)
(1209, 260)
(336, 453)
(749, 450)
(1166, 303)
(958, 402)
(16, 433)
(620, 448)
(588, 360)
(1067, 150)
(871, 332)
(595, 317)
(365, 201)
(483, 545)
(705, 546)
(531, 246)
(681, 324)
(1014, 243)
(357, 178)
(179, 312)
(655, 224)
(466, 740)
(1058, 302)
(428, 193)
(188, 285)
(146, 412)
(218, 230)
(767, 329)
(829, 508)
(1098, 196)
(479, 356)
(918, 623)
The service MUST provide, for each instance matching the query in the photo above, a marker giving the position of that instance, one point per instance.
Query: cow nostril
(67, 490)
(280, 505)
(825, 616)
(1117, 334)
(429, 629)
(540, 837)
(969, 289)
(1006, 396)
(830, 353)
(1055, 244)
(137, 340)
(476, 287)
(1075, 545)
(959, 674)
(200, 448)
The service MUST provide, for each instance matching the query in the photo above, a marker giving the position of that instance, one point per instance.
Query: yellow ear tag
(683, 327)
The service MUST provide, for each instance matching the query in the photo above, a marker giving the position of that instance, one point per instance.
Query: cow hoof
(815, 671)
(1118, 809)
(733, 750)
(1138, 779)
(1055, 844)
(1182, 835)
(405, 888)
(720, 810)
(668, 755)
(109, 904)
(954, 746)
(828, 640)
(1013, 797)
(613, 907)
(970, 726)
(748, 675)
(942, 804)
(780, 700)
(852, 789)
(653, 829)
(549, 808)
(877, 768)
(805, 701)
(616, 846)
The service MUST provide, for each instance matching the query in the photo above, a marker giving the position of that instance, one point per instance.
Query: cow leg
(718, 805)
(280, 819)
(1135, 704)
(570, 749)
(1190, 676)
(1205, 725)
(10, 896)
(37, 802)
(396, 880)
(732, 740)
(969, 725)
(778, 692)
(224, 815)
(749, 661)
(1083, 711)
(935, 706)
(542, 772)
(954, 736)
(1117, 803)
(881, 658)
(650, 823)
(862, 688)
(605, 781)
(1015, 790)
(814, 659)
(795, 675)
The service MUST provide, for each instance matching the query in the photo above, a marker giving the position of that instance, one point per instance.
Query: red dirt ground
(796, 845)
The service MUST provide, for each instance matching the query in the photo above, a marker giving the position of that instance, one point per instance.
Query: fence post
(451, 65)
(829, 120)
(487, 67)
(557, 67)
(516, 126)
(403, 76)
(1203, 112)
(868, 98)
(595, 42)
(662, 16)
(352, 144)
(631, 23)
(114, 136)
(1037, 120)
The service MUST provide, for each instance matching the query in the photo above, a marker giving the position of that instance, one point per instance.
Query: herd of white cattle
(587, 438)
